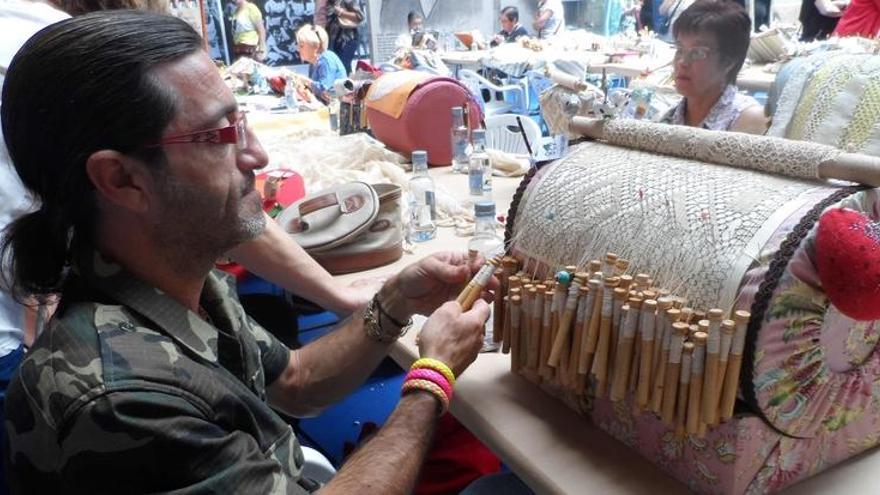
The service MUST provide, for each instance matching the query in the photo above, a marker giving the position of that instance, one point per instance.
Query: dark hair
(78, 7)
(727, 21)
(511, 12)
(77, 87)
(413, 15)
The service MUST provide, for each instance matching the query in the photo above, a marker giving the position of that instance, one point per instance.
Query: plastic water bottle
(461, 149)
(486, 240)
(290, 95)
(488, 243)
(479, 166)
(333, 108)
(422, 209)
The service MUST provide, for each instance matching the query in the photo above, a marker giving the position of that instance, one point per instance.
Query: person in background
(671, 10)
(861, 18)
(819, 18)
(325, 67)
(149, 377)
(511, 29)
(343, 18)
(249, 33)
(549, 18)
(646, 15)
(711, 41)
(415, 23)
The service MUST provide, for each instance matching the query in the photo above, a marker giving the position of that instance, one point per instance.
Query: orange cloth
(389, 93)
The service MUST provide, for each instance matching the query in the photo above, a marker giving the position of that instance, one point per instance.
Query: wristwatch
(374, 315)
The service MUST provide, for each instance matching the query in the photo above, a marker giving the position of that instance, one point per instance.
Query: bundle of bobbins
(602, 331)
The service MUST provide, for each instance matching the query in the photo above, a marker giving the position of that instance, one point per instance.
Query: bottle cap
(419, 159)
(479, 134)
(484, 208)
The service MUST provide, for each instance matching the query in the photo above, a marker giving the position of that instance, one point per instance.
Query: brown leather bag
(348, 228)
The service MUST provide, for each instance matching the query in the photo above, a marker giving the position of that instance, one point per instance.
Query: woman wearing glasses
(325, 67)
(711, 39)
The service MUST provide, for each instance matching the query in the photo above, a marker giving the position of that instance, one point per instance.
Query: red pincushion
(848, 260)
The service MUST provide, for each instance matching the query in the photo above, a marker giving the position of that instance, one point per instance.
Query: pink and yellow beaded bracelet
(433, 376)
(427, 386)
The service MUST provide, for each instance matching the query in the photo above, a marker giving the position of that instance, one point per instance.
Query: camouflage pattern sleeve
(152, 441)
(274, 355)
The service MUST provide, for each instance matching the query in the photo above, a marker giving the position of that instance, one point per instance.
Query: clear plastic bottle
(422, 210)
(489, 244)
(486, 240)
(290, 99)
(478, 167)
(333, 108)
(461, 148)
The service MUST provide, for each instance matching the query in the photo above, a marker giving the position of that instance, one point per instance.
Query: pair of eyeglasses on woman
(235, 133)
(693, 54)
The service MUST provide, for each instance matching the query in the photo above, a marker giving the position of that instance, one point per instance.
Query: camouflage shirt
(127, 391)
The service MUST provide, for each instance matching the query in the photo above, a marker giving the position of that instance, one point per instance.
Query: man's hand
(830, 8)
(423, 286)
(454, 337)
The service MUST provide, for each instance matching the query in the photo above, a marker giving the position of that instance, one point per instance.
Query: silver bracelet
(372, 323)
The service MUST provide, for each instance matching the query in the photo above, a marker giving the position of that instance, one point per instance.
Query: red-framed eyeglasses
(236, 134)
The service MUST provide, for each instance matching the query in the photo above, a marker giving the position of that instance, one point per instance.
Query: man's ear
(120, 180)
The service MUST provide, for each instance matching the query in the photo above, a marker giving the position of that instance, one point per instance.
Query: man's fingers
(479, 311)
(446, 272)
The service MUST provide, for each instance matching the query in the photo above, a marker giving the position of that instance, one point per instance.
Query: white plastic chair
(316, 467)
(494, 106)
(503, 134)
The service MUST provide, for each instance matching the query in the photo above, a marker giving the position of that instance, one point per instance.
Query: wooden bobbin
(603, 349)
(646, 369)
(695, 402)
(711, 394)
(563, 336)
(673, 371)
(728, 327)
(579, 330)
(618, 299)
(610, 264)
(515, 301)
(623, 358)
(635, 307)
(476, 285)
(535, 326)
(734, 364)
(684, 384)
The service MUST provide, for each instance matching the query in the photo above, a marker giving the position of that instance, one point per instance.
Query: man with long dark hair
(150, 377)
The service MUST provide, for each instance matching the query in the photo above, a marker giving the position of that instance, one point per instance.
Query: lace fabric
(791, 93)
(773, 155)
(711, 221)
(833, 99)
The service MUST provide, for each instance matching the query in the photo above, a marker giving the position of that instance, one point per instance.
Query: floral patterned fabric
(816, 379)
(723, 114)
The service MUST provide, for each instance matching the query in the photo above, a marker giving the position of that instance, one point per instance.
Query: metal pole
(218, 10)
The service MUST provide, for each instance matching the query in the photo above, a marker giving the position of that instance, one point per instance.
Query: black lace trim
(514, 207)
